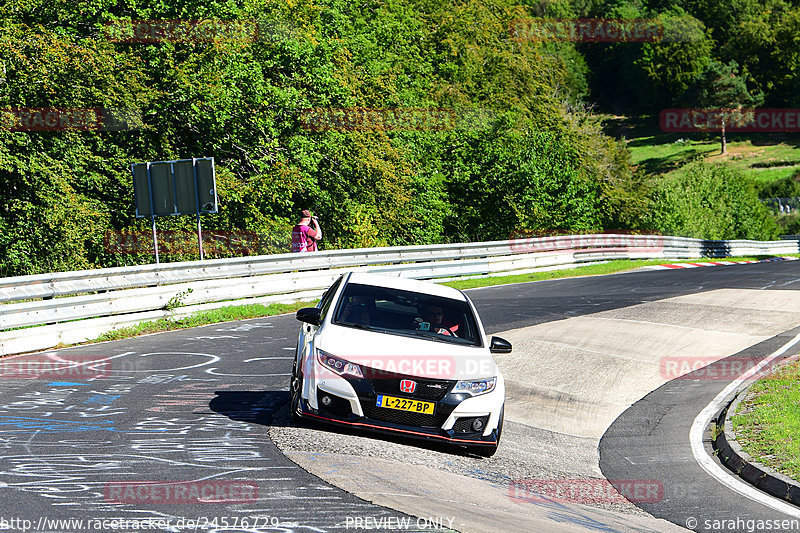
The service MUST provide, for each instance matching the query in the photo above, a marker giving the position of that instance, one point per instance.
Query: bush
(532, 180)
(712, 202)
(788, 187)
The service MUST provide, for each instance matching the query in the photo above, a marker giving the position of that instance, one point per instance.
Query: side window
(327, 298)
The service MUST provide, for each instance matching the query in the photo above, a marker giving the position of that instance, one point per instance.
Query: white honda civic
(399, 356)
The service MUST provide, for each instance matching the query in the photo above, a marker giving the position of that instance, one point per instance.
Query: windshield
(407, 313)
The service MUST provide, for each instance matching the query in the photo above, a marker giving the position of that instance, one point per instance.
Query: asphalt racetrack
(174, 431)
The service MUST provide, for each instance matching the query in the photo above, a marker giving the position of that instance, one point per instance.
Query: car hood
(407, 355)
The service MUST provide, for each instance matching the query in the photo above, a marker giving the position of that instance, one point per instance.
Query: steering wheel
(435, 329)
(448, 330)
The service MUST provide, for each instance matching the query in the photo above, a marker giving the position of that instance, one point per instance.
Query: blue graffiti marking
(102, 398)
(41, 424)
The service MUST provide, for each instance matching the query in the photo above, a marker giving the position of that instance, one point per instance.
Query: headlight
(476, 386)
(339, 365)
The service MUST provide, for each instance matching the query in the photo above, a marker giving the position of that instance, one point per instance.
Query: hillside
(395, 122)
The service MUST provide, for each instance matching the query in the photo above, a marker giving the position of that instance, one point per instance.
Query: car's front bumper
(386, 427)
(352, 402)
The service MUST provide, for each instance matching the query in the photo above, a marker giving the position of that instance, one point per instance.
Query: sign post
(197, 212)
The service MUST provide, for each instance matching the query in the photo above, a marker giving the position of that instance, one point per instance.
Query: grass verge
(611, 267)
(243, 312)
(662, 154)
(767, 421)
(766, 157)
(201, 318)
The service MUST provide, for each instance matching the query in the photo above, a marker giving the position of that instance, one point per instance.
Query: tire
(488, 451)
(500, 422)
(296, 394)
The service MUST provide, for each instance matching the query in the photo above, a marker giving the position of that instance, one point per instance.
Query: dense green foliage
(785, 188)
(539, 163)
(712, 202)
(760, 37)
(788, 187)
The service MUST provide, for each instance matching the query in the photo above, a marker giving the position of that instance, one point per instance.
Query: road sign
(181, 187)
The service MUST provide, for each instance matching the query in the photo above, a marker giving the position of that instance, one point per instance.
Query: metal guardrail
(106, 298)
(782, 205)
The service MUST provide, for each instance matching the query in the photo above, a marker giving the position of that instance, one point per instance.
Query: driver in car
(358, 310)
(434, 316)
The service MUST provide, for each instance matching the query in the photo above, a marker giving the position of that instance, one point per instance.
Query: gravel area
(525, 453)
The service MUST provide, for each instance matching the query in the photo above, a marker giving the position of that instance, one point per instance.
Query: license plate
(403, 404)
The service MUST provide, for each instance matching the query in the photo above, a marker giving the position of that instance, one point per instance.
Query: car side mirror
(499, 345)
(309, 315)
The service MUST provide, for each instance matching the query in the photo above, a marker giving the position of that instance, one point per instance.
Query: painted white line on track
(212, 359)
(214, 372)
(716, 471)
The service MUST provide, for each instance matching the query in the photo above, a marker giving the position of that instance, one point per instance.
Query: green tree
(671, 66)
(721, 87)
(531, 180)
(783, 56)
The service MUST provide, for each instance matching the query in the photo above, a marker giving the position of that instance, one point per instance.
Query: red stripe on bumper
(384, 428)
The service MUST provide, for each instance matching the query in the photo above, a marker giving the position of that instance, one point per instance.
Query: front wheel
(296, 394)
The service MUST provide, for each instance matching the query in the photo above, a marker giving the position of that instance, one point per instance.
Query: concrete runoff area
(567, 381)
(464, 503)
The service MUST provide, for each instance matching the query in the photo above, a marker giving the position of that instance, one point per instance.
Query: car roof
(406, 284)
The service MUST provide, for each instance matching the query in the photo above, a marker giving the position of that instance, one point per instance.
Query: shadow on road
(249, 406)
(270, 408)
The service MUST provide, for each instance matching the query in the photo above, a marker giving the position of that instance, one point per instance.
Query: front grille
(389, 383)
(404, 418)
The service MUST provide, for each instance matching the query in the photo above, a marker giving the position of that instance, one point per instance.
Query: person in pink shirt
(304, 238)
